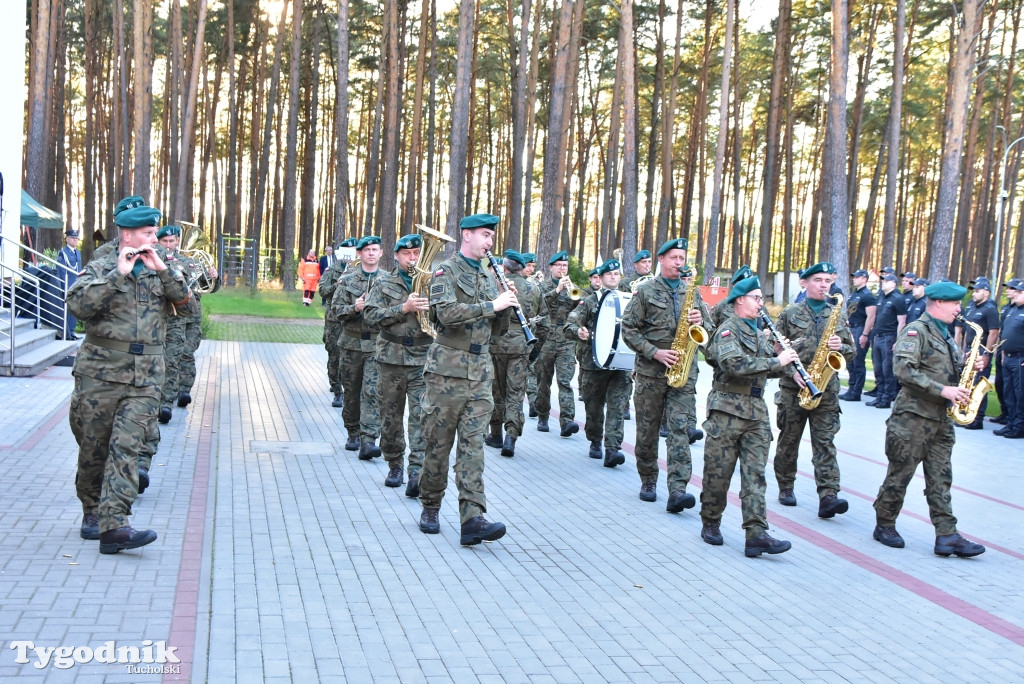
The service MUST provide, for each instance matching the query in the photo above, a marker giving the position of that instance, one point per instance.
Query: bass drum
(609, 350)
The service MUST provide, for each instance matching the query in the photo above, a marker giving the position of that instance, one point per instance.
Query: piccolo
(136, 252)
(531, 339)
(804, 375)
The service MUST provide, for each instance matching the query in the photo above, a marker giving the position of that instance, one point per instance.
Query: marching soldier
(649, 328)
(642, 264)
(556, 356)
(531, 264)
(511, 357)
(724, 308)
(737, 426)
(983, 312)
(892, 316)
(531, 375)
(602, 389)
(804, 324)
(177, 324)
(400, 350)
(332, 326)
(358, 366)
(124, 298)
(693, 433)
(861, 308)
(928, 364)
(468, 311)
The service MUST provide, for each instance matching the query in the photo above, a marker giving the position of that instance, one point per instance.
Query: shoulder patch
(726, 333)
(911, 333)
(437, 289)
(439, 272)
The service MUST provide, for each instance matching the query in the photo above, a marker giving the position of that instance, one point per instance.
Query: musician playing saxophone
(804, 324)
(927, 363)
(649, 327)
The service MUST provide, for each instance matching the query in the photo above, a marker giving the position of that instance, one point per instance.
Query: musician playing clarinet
(737, 426)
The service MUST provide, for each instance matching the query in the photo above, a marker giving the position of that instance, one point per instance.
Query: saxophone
(825, 362)
(688, 338)
(964, 414)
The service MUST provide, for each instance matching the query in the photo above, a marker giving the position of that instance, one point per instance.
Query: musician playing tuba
(818, 331)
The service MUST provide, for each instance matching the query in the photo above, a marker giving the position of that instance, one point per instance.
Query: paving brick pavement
(283, 557)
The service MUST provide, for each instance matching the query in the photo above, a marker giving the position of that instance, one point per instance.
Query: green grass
(267, 303)
(264, 332)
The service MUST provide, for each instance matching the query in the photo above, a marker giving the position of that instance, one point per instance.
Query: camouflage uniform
(458, 375)
(649, 324)
(804, 329)
(557, 356)
(603, 390)
(332, 326)
(919, 430)
(400, 351)
(737, 426)
(359, 372)
(510, 356)
(176, 344)
(118, 373)
(193, 327)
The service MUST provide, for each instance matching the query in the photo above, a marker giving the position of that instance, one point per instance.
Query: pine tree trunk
(341, 188)
(183, 207)
(779, 84)
(392, 125)
(412, 208)
(710, 254)
(143, 95)
(460, 119)
(835, 162)
(895, 123)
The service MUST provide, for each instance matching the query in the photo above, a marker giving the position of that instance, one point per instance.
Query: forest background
(585, 125)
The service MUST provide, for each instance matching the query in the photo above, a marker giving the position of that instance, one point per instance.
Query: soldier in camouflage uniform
(511, 357)
(927, 363)
(359, 373)
(332, 326)
(737, 426)
(803, 324)
(192, 271)
(531, 372)
(400, 351)
(602, 389)
(642, 264)
(118, 371)
(557, 358)
(468, 311)
(723, 308)
(175, 342)
(649, 328)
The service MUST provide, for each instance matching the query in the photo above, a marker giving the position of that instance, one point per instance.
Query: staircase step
(25, 340)
(39, 359)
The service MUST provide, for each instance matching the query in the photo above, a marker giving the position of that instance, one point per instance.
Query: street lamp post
(1004, 194)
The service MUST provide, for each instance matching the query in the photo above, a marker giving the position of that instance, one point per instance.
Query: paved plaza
(283, 558)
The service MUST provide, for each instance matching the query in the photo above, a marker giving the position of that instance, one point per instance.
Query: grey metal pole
(1004, 193)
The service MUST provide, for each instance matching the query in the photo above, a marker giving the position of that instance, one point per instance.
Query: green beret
(561, 256)
(349, 242)
(686, 272)
(642, 254)
(529, 257)
(138, 217)
(678, 243)
(168, 230)
(478, 221)
(608, 266)
(593, 272)
(945, 292)
(408, 242)
(129, 202)
(741, 273)
(515, 256)
(820, 267)
(367, 241)
(745, 286)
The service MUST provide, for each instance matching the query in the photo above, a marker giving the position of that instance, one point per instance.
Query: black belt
(136, 348)
(883, 336)
(417, 341)
(752, 390)
(361, 336)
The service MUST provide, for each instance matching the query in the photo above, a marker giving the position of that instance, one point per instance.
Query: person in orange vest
(309, 273)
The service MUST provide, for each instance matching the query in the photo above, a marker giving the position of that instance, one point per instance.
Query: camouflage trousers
(730, 438)
(824, 422)
(193, 336)
(531, 382)
(149, 446)
(604, 391)
(909, 440)
(654, 399)
(174, 350)
(359, 375)
(453, 405)
(397, 383)
(507, 392)
(556, 360)
(111, 423)
(332, 331)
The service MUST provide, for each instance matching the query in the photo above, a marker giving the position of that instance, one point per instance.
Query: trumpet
(574, 292)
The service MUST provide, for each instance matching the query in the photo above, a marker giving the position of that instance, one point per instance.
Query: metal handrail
(8, 275)
(62, 271)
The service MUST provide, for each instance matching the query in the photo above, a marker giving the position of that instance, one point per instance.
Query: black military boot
(478, 529)
(831, 505)
(412, 489)
(123, 538)
(613, 457)
(353, 441)
(786, 497)
(679, 501)
(368, 450)
(947, 544)
(542, 425)
(663, 431)
(888, 536)
(143, 480)
(694, 435)
(649, 491)
(508, 449)
(871, 393)
(626, 414)
(533, 410)
(165, 415)
(338, 401)
(765, 544)
(595, 449)
(571, 428)
(184, 399)
(494, 439)
(428, 520)
(711, 534)
(90, 527)
(394, 478)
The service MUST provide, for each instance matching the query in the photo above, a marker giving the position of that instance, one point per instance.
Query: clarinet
(531, 339)
(804, 375)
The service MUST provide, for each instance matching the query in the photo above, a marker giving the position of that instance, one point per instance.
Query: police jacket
(400, 341)
(803, 328)
(126, 320)
(743, 360)
(650, 322)
(462, 308)
(924, 361)
(532, 304)
(356, 333)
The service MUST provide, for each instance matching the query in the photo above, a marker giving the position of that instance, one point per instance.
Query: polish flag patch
(439, 272)
(726, 333)
(911, 333)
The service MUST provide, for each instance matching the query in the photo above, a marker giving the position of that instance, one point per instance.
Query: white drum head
(609, 350)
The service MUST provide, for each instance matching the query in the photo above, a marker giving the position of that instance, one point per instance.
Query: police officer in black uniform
(892, 316)
(1012, 354)
(982, 312)
(861, 307)
(908, 288)
(873, 392)
(917, 301)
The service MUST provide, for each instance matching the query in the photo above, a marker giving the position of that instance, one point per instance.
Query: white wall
(13, 92)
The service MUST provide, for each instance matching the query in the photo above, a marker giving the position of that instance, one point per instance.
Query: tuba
(688, 338)
(196, 246)
(433, 242)
(826, 362)
(964, 414)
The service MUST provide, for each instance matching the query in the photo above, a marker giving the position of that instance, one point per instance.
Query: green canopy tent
(35, 215)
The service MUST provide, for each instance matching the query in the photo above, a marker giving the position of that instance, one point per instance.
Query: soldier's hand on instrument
(505, 300)
(979, 363)
(512, 286)
(213, 273)
(788, 356)
(694, 317)
(124, 261)
(957, 395)
(563, 283)
(667, 357)
(415, 303)
(583, 334)
(151, 259)
(799, 380)
(835, 343)
(360, 302)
